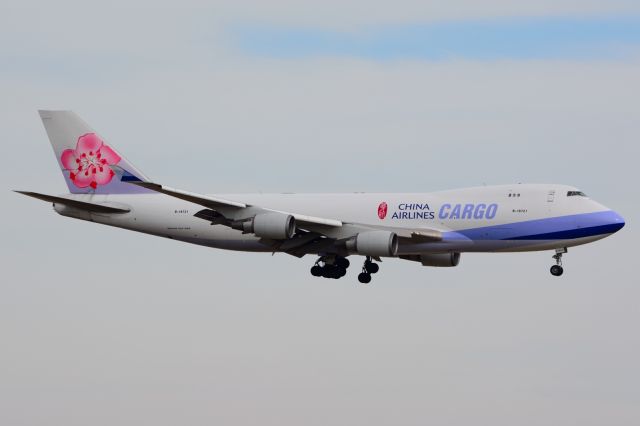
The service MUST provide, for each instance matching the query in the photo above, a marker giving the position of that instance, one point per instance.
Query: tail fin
(87, 162)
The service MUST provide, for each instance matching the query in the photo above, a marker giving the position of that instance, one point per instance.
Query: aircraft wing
(203, 200)
(311, 230)
(217, 204)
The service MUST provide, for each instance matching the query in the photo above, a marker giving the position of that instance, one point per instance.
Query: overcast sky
(103, 326)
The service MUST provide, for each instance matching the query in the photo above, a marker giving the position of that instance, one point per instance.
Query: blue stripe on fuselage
(554, 228)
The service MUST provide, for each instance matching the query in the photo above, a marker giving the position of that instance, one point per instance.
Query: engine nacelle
(274, 226)
(440, 259)
(374, 243)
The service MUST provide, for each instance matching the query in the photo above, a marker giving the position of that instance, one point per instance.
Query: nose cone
(617, 222)
(599, 224)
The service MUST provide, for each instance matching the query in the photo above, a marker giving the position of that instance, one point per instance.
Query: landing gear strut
(557, 270)
(368, 268)
(330, 267)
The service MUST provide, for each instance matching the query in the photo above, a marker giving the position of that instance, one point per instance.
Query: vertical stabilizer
(87, 162)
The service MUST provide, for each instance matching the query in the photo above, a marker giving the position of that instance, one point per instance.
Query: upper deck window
(576, 193)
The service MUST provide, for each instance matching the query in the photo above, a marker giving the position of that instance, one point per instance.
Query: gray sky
(103, 326)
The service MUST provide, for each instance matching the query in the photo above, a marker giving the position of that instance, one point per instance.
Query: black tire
(372, 268)
(327, 271)
(316, 270)
(342, 262)
(340, 271)
(556, 270)
(364, 278)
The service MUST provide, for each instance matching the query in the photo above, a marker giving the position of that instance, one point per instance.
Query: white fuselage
(521, 217)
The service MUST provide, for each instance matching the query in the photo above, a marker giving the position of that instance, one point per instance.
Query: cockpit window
(576, 193)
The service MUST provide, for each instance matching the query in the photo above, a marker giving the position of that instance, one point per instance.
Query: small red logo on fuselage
(382, 210)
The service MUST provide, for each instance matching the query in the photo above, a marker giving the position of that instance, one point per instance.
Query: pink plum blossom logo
(382, 210)
(88, 164)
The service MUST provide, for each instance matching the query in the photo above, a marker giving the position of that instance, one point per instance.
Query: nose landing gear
(557, 270)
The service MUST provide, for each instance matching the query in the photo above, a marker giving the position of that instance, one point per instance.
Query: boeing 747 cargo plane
(430, 228)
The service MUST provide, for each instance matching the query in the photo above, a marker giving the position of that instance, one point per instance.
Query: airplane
(432, 229)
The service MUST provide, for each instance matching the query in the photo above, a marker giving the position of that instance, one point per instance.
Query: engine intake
(274, 226)
(374, 243)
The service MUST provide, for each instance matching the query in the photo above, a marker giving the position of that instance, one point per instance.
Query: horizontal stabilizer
(83, 205)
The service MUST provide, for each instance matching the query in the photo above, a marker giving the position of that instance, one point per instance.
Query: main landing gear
(330, 267)
(368, 268)
(335, 267)
(557, 270)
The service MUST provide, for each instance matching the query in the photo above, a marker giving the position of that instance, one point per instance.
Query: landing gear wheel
(368, 268)
(330, 267)
(342, 262)
(371, 267)
(556, 270)
(316, 270)
(327, 271)
(364, 278)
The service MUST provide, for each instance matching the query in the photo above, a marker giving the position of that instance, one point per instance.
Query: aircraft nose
(617, 222)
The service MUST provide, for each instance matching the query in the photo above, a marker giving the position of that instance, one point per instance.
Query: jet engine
(374, 243)
(440, 259)
(274, 226)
